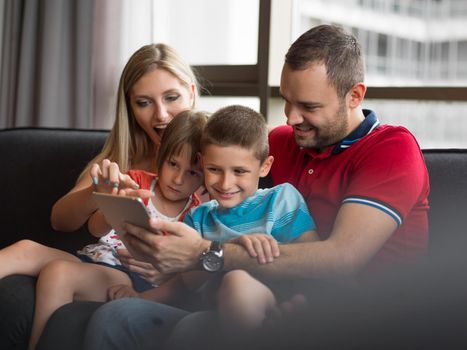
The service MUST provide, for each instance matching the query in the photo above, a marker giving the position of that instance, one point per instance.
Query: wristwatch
(212, 260)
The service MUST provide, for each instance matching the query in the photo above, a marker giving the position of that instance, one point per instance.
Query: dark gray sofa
(42, 164)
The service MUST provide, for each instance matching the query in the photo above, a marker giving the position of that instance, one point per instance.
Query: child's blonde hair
(186, 128)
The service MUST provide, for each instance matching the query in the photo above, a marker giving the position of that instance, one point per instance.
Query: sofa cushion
(40, 165)
(447, 169)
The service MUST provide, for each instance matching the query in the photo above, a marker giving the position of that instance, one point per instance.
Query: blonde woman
(155, 85)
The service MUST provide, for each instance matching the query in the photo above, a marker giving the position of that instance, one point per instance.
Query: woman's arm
(72, 211)
(98, 225)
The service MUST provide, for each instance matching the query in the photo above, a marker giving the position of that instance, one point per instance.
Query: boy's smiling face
(231, 173)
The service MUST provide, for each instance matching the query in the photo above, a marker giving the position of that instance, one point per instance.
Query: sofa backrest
(39, 166)
(447, 169)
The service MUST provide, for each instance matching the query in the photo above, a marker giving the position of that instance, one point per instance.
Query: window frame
(243, 80)
(252, 80)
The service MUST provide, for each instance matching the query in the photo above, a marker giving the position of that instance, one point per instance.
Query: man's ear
(266, 166)
(356, 95)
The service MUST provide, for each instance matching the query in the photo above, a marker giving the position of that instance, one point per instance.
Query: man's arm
(359, 233)
(263, 247)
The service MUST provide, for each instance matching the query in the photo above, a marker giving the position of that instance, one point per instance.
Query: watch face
(212, 262)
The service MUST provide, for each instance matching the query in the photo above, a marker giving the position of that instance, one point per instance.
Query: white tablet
(120, 209)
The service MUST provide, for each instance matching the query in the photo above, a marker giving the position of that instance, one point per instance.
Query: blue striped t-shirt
(279, 211)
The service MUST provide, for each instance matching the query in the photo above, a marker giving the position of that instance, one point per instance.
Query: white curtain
(106, 61)
(58, 62)
(45, 63)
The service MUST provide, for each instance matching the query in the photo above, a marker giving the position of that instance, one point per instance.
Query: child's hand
(260, 246)
(121, 291)
(107, 178)
(144, 194)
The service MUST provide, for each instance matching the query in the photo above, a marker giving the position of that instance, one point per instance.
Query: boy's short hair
(237, 126)
(185, 128)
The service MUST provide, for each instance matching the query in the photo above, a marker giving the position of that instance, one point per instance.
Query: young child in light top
(63, 277)
(173, 197)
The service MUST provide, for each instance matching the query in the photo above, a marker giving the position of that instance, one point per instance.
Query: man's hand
(144, 269)
(178, 251)
(121, 291)
(259, 245)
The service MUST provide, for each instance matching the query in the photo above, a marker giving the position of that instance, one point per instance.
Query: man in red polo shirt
(366, 184)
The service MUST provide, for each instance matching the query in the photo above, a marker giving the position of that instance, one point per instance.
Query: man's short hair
(237, 126)
(330, 45)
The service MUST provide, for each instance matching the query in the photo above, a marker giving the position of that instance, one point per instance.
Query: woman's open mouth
(160, 130)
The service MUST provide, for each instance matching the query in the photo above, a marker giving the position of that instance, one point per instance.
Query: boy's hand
(107, 178)
(121, 291)
(259, 245)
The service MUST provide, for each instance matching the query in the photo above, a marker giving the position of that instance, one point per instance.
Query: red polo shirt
(380, 166)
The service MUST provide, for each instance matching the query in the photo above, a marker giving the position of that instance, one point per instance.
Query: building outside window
(407, 43)
(204, 32)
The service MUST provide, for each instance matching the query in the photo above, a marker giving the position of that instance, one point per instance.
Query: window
(416, 78)
(213, 31)
(218, 37)
(239, 45)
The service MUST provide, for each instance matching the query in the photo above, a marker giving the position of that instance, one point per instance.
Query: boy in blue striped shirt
(234, 155)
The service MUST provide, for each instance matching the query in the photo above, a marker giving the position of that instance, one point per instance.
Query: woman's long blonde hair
(128, 143)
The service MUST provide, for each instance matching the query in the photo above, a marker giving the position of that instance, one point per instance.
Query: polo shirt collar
(370, 123)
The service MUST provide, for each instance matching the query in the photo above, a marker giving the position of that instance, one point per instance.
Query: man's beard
(330, 134)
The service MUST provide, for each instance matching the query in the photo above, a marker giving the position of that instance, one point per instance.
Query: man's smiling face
(319, 118)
